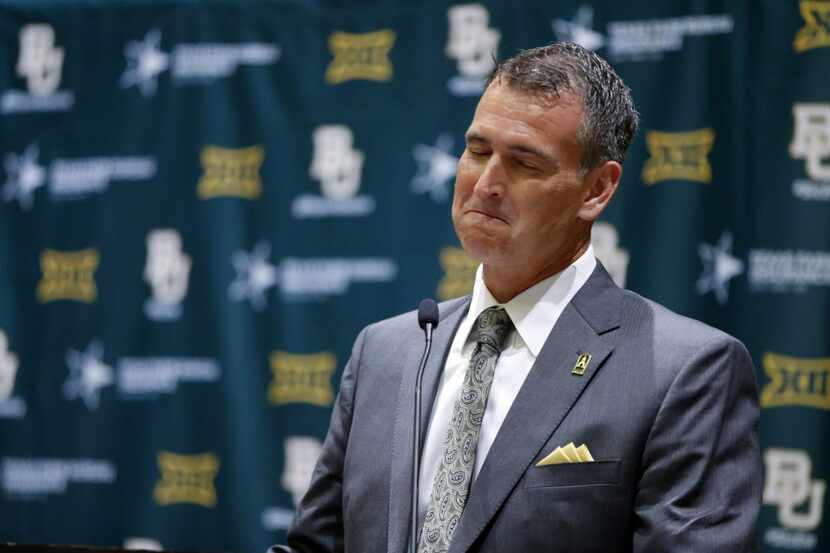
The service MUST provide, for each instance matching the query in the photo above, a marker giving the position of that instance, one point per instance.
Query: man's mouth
(479, 214)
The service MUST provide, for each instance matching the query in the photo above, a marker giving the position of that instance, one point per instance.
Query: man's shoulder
(670, 331)
(408, 322)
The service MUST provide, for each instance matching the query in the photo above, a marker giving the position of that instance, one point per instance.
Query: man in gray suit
(547, 354)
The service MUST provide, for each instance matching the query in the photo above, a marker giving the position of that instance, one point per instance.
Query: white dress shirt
(533, 312)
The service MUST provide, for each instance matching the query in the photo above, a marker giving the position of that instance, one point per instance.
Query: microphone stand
(428, 318)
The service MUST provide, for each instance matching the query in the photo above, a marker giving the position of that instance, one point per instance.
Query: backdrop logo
(302, 378)
(254, 276)
(36, 478)
(311, 279)
(472, 43)
(580, 29)
(10, 407)
(459, 273)
(800, 500)
(811, 142)
(88, 374)
(605, 239)
(145, 377)
(23, 176)
(189, 62)
(69, 179)
(436, 168)
(360, 56)
(639, 40)
(338, 166)
(788, 270)
(719, 267)
(231, 172)
(68, 275)
(141, 543)
(301, 454)
(40, 63)
(167, 272)
(796, 382)
(678, 156)
(186, 479)
(8, 368)
(816, 30)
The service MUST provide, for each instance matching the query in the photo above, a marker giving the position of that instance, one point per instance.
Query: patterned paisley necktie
(455, 470)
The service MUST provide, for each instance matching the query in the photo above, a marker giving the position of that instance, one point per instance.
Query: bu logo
(473, 45)
(301, 453)
(606, 239)
(167, 272)
(8, 368)
(40, 63)
(811, 139)
(471, 42)
(336, 164)
(788, 486)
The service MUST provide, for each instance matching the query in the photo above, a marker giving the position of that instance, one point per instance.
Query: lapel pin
(581, 364)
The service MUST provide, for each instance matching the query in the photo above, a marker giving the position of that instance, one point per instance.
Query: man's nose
(493, 178)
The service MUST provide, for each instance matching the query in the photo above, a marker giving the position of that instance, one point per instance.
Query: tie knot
(492, 328)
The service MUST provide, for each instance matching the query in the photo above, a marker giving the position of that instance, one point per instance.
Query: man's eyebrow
(474, 137)
(523, 149)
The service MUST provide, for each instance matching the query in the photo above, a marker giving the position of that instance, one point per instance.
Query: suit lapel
(543, 401)
(400, 480)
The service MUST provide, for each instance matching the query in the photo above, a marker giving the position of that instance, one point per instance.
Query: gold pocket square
(567, 454)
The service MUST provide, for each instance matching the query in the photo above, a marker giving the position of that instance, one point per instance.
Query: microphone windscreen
(428, 313)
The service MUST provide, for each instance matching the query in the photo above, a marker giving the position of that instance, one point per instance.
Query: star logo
(719, 267)
(87, 375)
(579, 29)
(436, 168)
(145, 62)
(23, 177)
(254, 276)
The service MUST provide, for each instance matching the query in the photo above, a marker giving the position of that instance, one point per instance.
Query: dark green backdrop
(201, 204)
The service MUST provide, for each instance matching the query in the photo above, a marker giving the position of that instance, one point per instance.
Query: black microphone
(428, 320)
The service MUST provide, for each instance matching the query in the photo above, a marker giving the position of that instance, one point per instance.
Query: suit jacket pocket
(596, 473)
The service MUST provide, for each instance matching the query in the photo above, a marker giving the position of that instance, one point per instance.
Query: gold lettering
(796, 381)
(68, 276)
(459, 273)
(231, 172)
(816, 30)
(678, 156)
(302, 378)
(186, 479)
(360, 56)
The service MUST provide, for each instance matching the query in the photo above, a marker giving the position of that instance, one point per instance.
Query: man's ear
(600, 184)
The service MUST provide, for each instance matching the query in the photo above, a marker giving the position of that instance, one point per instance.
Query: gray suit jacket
(667, 406)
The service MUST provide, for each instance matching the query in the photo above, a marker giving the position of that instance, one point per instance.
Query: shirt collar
(535, 311)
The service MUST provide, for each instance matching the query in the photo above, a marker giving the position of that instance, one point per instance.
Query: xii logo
(816, 30)
(796, 382)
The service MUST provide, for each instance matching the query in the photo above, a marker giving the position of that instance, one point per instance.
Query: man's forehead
(502, 105)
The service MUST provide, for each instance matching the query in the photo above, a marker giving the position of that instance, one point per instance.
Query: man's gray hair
(610, 119)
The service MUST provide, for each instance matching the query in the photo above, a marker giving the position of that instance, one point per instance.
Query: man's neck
(507, 282)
